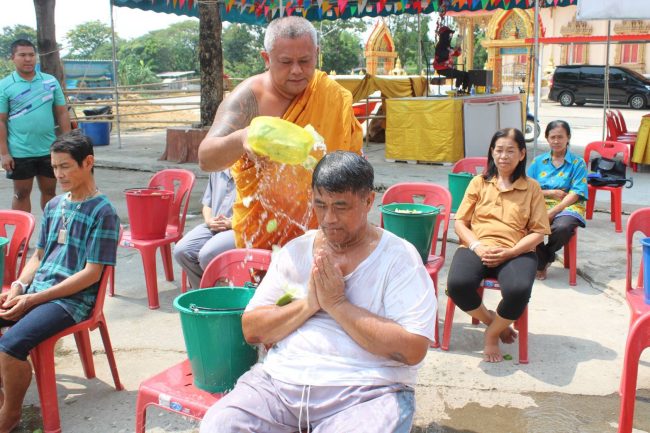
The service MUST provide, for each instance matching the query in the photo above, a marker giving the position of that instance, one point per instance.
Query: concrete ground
(576, 343)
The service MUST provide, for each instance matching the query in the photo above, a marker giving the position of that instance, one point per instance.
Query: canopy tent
(263, 11)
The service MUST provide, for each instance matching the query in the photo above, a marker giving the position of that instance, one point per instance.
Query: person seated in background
(563, 179)
(346, 351)
(58, 285)
(500, 221)
(214, 236)
(444, 58)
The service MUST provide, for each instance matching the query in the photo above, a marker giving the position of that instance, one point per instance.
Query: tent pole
(606, 90)
(538, 74)
(419, 44)
(116, 95)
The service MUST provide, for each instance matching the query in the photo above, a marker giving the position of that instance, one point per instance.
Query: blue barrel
(99, 132)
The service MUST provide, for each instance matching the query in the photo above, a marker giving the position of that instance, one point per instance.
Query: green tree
(242, 44)
(480, 53)
(132, 70)
(404, 28)
(340, 45)
(10, 34)
(90, 40)
(172, 49)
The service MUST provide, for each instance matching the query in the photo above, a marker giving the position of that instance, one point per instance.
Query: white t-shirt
(391, 282)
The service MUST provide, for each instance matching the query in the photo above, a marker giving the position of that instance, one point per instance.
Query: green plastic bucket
(458, 183)
(412, 221)
(3, 252)
(211, 322)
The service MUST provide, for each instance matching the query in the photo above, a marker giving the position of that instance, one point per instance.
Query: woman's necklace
(63, 232)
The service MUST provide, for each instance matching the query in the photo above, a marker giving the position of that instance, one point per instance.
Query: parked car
(586, 83)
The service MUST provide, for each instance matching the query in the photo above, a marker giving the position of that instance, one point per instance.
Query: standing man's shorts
(27, 168)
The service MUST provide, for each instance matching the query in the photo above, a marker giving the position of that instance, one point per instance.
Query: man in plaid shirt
(59, 284)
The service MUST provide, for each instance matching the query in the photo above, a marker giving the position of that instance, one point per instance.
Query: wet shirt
(571, 176)
(92, 232)
(220, 193)
(502, 218)
(30, 119)
(391, 283)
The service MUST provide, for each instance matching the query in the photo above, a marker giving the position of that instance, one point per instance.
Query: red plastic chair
(173, 389)
(43, 358)
(18, 226)
(570, 258)
(521, 324)
(470, 165)
(607, 149)
(362, 110)
(181, 182)
(622, 124)
(433, 195)
(614, 134)
(238, 266)
(639, 332)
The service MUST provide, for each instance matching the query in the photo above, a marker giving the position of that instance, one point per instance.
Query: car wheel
(637, 102)
(580, 104)
(566, 99)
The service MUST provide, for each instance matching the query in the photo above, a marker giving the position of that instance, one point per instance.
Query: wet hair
(78, 145)
(558, 124)
(518, 137)
(288, 27)
(21, 43)
(342, 172)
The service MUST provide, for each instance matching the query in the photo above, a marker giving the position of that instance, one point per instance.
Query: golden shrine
(380, 50)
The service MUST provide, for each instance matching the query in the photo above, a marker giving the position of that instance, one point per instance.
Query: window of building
(629, 53)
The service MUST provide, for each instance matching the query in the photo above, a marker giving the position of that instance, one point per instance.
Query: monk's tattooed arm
(234, 113)
(224, 143)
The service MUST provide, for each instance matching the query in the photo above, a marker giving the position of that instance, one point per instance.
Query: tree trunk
(46, 39)
(211, 60)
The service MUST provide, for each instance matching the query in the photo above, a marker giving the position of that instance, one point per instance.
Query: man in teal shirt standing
(29, 103)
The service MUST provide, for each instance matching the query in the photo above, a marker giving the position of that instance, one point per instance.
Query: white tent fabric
(613, 10)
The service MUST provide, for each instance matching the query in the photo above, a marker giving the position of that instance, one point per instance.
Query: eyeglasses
(504, 153)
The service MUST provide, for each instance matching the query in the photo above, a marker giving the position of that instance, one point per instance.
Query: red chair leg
(617, 208)
(522, 326)
(591, 201)
(144, 399)
(150, 276)
(636, 342)
(570, 259)
(166, 253)
(108, 348)
(85, 352)
(449, 319)
(43, 358)
(183, 281)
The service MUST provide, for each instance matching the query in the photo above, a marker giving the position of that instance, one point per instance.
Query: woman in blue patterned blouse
(563, 178)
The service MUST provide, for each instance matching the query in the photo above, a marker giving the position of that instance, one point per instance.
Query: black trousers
(462, 77)
(516, 278)
(562, 228)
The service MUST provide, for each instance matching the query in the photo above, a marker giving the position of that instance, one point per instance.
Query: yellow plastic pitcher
(280, 140)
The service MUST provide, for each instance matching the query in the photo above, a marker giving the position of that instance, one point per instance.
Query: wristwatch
(22, 285)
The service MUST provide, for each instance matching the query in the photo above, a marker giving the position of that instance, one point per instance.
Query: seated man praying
(58, 285)
(347, 349)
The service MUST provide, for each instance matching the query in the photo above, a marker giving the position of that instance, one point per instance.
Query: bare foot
(541, 275)
(491, 351)
(508, 335)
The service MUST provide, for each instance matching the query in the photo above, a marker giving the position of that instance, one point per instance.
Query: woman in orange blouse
(500, 221)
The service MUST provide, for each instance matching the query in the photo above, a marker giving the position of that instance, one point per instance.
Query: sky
(129, 23)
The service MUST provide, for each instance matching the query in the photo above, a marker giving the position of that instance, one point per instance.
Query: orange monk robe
(270, 191)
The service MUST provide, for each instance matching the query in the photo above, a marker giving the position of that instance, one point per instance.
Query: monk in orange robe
(273, 199)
